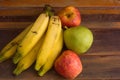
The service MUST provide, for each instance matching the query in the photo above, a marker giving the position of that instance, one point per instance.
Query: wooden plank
(13, 25)
(94, 67)
(32, 11)
(101, 67)
(60, 3)
(101, 25)
(106, 42)
(85, 18)
(20, 11)
(32, 7)
(93, 25)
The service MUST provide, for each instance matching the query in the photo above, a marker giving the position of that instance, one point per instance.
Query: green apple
(78, 39)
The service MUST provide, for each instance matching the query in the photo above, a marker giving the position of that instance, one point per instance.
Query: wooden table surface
(102, 61)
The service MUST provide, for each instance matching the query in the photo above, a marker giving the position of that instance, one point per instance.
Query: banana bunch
(39, 43)
(51, 46)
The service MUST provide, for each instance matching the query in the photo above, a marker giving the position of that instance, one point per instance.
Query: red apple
(68, 64)
(70, 16)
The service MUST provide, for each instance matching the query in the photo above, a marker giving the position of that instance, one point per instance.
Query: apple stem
(65, 27)
(48, 9)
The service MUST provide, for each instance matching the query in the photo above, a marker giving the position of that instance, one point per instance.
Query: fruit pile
(42, 43)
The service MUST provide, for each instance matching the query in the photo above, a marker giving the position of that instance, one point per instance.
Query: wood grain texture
(100, 62)
(102, 17)
(33, 7)
(94, 67)
(31, 11)
(90, 24)
(60, 3)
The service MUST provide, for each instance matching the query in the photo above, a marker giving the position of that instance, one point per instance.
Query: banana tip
(41, 73)
(2, 58)
(37, 67)
(18, 70)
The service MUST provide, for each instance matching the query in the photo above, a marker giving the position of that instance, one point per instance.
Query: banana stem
(48, 9)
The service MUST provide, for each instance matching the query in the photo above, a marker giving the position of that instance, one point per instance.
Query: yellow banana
(52, 35)
(6, 55)
(57, 47)
(29, 59)
(32, 37)
(10, 48)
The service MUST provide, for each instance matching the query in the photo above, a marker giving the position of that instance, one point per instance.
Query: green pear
(78, 39)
